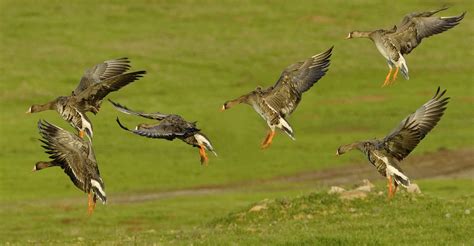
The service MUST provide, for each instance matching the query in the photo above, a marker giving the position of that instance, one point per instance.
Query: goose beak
(223, 108)
(337, 153)
(28, 111)
(348, 36)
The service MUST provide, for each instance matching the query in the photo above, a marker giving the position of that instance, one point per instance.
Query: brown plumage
(277, 102)
(76, 157)
(386, 154)
(95, 84)
(171, 126)
(394, 43)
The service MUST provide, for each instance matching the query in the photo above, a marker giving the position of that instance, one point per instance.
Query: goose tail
(285, 126)
(402, 64)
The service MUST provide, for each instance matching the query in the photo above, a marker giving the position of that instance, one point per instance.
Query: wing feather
(124, 109)
(98, 91)
(69, 152)
(102, 71)
(403, 139)
(165, 130)
(297, 78)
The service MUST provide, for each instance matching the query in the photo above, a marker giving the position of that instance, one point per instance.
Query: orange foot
(90, 204)
(395, 75)
(390, 191)
(202, 153)
(268, 140)
(81, 133)
(387, 78)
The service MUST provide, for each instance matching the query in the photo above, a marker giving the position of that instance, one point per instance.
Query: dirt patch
(441, 164)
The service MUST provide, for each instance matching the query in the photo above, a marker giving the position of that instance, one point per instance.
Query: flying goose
(96, 83)
(76, 157)
(277, 102)
(386, 154)
(403, 38)
(171, 126)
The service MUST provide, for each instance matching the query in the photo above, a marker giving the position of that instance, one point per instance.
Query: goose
(387, 153)
(275, 103)
(96, 83)
(171, 126)
(76, 157)
(394, 43)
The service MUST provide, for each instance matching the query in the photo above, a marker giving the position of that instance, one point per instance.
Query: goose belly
(382, 50)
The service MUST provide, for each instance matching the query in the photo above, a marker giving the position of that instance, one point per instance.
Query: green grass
(291, 218)
(198, 54)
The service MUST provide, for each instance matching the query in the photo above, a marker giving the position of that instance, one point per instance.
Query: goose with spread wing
(96, 83)
(394, 43)
(76, 157)
(277, 102)
(171, 126)
(386, 154)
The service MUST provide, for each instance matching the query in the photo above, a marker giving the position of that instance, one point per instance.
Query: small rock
(258, 207)
(413, 188)
(336, 190)
(366, 186)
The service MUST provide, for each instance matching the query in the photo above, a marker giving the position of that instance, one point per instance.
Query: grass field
(199, 54)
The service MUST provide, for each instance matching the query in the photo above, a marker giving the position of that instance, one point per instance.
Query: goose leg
(268, 140)
(81, 133)
(389, 187)
(202, 153)
(395, 186)
(90, 204)
(395, 75)
(387, 78)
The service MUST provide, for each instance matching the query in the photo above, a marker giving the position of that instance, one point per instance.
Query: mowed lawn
(199, 54)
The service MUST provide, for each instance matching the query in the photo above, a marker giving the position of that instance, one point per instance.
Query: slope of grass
(436, 217)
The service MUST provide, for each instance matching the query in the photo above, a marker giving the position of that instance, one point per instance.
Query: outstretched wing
(297, 78)
(98, 91)
(427, 25)
(123, 109)
(69, 151)
(102, 71)
(165, 130)
(403, 139)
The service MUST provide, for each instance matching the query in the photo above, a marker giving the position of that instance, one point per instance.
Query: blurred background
(199, 54)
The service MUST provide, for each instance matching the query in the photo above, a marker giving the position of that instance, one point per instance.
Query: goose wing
(124, 109)
(427, 25)
(297, 78)
(98, 91)
(72, 153)
(404, 138)
(102, 71)
(166, 129)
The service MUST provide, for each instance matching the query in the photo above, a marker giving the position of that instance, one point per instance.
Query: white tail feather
(204, 141)
(402, 64)
(98, 186)
(392, 171)
(285, 126)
